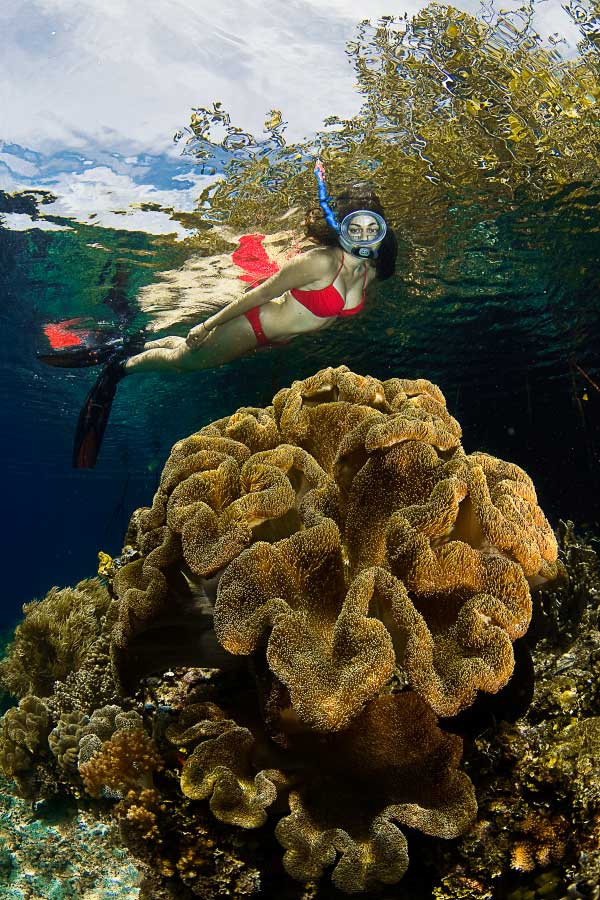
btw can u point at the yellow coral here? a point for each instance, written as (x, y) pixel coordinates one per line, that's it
(123, 763)
(338, 536)
(380, 479)
(221, 769)
(23, 735)
(396, 747)
(197, 722)
(296, 588)
(521, 857)
(139, 811)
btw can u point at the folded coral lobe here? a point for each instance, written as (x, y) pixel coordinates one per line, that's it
(320, 641)
(393, 767)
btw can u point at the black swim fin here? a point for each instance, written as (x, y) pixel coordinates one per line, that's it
(95, 412)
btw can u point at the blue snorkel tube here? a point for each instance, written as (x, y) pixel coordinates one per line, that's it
(365, 249)
(330, 216)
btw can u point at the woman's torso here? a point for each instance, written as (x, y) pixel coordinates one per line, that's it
(342, 294)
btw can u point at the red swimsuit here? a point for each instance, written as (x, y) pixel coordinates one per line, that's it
(325, 303)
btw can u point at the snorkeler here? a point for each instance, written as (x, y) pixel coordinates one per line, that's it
(308, 293)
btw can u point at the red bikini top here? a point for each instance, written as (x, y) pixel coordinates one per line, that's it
(328, 302)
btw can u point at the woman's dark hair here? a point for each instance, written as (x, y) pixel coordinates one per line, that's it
(359, 195)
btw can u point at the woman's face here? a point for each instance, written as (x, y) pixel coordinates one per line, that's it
(363, 228)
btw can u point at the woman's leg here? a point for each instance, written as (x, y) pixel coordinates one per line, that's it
(224, 344)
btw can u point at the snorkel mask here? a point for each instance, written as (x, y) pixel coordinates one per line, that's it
(362, 239)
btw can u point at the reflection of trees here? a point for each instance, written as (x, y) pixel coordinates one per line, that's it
(453, 106)
(480, 104)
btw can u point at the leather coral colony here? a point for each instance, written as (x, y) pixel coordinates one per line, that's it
(374, 575)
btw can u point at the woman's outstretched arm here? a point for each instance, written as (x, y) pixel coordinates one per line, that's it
(315, 265)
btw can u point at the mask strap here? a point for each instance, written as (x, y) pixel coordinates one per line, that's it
(330, 216)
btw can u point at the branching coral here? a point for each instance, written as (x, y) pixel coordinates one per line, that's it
(54, 638)
(123, 763)
(77, 737)
(104, 724)
(139, 810)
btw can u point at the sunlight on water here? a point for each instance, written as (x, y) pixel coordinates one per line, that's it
(450, 102)
(482, 143)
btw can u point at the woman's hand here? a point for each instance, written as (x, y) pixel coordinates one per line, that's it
(196, 336)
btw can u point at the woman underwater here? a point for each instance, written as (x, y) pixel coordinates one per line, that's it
(329, 281)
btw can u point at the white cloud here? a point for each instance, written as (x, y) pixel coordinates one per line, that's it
(17, 165)
(23, 222)
(126, 73)
(552, 19)
(100, 196)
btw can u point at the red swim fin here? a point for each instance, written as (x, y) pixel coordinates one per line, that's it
(252, 256)
(82, 355)
(61, 334)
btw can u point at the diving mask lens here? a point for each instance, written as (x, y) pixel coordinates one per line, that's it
(362, 231)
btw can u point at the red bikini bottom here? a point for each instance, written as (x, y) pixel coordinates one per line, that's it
(253, 316)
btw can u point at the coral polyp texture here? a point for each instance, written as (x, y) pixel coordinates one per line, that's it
(375, 575)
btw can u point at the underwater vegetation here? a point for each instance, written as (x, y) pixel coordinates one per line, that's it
(307, 668)
(57, 851)
(54, 639)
